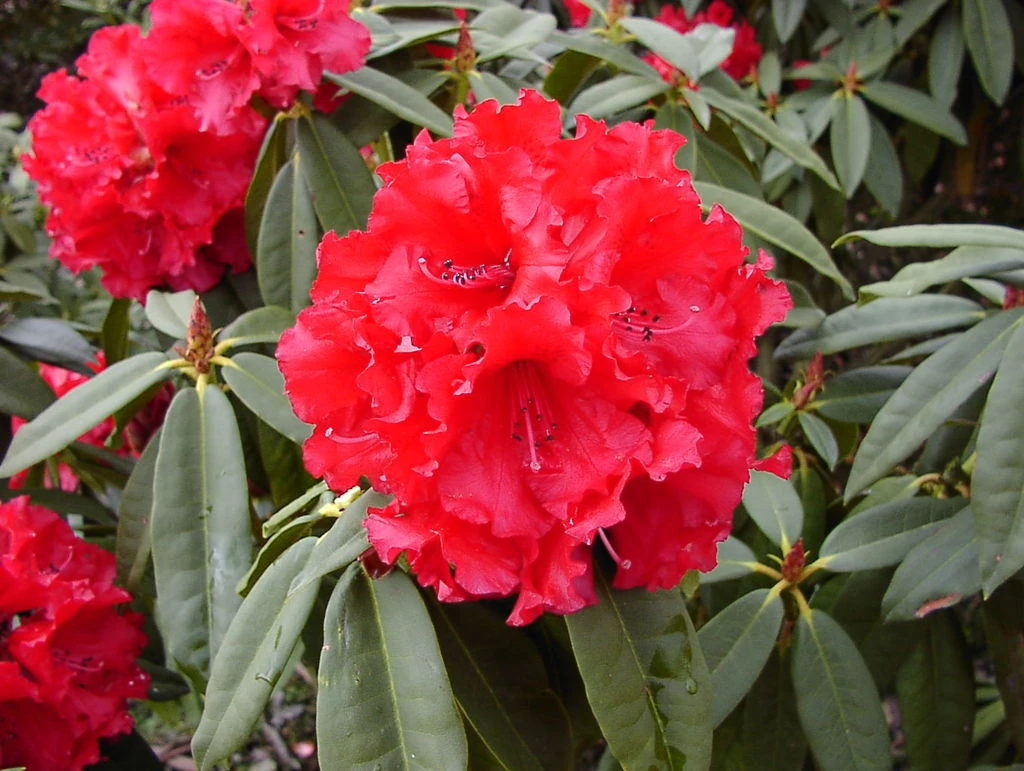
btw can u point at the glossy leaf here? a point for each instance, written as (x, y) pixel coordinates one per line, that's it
(170, 311)
(487, 85)
(258, 382)
(381, 667)
(774, 505)
(938, 572)
(646, 678)
(505, 30)
(199, 528)
(677, 49)
(881, 321)
(883, 535)
(786, 15)
(718, 166)
(114, 334)
(935, 686)
(260, 325)
(836, 699)
(133, 544)
(850, 139)
(53, 341)
(736, 643)
(857, 396)
(929, 395)
(820, 437)
(83, 408)
(288, 238)
(256, 651)
(775, 226)
(512, 709)
(946, 58)
(997, 485)
(615, 95)
(917, 107)
(960, 263)
(734, 560)
(591, 45)
(23, 392)
(272, 156)
(989, 38)
(396, 97)
(336, 174)
(772, 738)
(941, 236)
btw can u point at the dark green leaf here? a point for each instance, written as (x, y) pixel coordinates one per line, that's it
(946, 58)
(786, 15)
(616, 95)
(646, 678)
(929, 395)
(23, 392)
(960, 263)
(734, 561)
(935, 686)
(257, 381)
(133, 516)
(857, 396)
(281, 517)
(883, 535)
(381, 667)
(817, 432)
(775, 226)
(914, 15)
(585, 42)
(256, 651)
(774, 505)
(260, 325)
(772, 738)
(938, 572)
(881, 321)
(997, 485)
(989, 40)
(282, 458)
(273, 153)
(50, 340)
(336, 174)
(737, 643)
(63, 503)
(836, 699)
(883, 175)
(917, 107)
(718, 166)
(396, 97)
(850, 138)
(200, 527)
(1003, 619)
(774, 414)
(288, 238)
(282, 540)
(114, 336)
(83, 408)
(671, 116)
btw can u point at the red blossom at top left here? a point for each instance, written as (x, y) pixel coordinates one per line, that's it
(133, 185)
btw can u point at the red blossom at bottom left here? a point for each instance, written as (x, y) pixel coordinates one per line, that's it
(67, 654)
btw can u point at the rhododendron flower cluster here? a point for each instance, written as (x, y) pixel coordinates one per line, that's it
(135, 436)
(67, 656)
(144, 157)
(746, 51)
(538, 343)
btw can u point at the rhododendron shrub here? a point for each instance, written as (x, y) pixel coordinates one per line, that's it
(67, 654)
(746, 51)
(537, 344)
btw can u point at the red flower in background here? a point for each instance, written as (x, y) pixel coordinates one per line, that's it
(538, 343)
(746, 51)
(67, 656)
(136, 434)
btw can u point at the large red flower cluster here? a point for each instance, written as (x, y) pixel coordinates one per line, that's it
(145, 156)
(746, 51)
(538, 343)
(67, 656)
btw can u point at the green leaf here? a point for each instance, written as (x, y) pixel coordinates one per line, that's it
(257, 381)
(917, 107)
(288, 238)
(929, 395)
(646, 678)
(396, 97)
(736, 643)
(883, 535)
(133, 544)
(615, 95)
(775, 226)
(384, 698)
(671, 116)
(389, 37)
(960, 263)
(63, 503)
(282, 540)
(718, 166)
(83, 408)
(336, 174)
(487, 85)
(786, 15)
(256, 651)
(23, 392)
(857, 396)
(734, 560)
(836, 699)
(757, 122)
(774, 414)
(914, 15)
(272, 156)
(170, 311)
(281, 517)
(883, 175)
(114, 334)
(938, 572)
(505, 30)
(850, 139)
(774, 505)
(585, 42)
(695, 53)
(260, 325)
(771, 735)
(881, 321)
(511, 708)
(989, 39)
(997, 485)
(935, 686)
(821, 437)
(940, 236)
(200, 528)
(53, 341)
(946, 58)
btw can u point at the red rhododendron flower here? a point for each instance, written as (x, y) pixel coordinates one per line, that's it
(136, 434)
(133, 185)
(537, 344)
(67, 656)
(746, 51)
(579, 12)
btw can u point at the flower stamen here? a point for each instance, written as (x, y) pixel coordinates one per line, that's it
(531, 422)
(624, 564)
(480, 276)
(641, 325)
